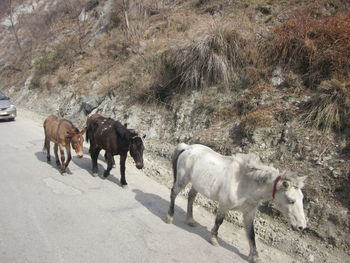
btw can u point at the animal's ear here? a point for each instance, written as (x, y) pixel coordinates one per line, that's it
(126, 125)
(285, 185)
(144, 136)
(83, 131)
(301, 181)
(70, 134)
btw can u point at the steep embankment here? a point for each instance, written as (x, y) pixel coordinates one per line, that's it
(263, 76)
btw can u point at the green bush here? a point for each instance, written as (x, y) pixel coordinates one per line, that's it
(50, 61)
(47, 63)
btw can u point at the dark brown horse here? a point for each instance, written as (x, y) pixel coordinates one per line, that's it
(63, 134)
(115, 139)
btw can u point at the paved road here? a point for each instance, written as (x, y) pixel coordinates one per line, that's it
(46, 217)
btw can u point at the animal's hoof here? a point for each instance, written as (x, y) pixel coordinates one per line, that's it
(63, 170)
(125, 186)
(94, 174)
(169, 219)
(105, 174)
(191, 222)
(214, 241)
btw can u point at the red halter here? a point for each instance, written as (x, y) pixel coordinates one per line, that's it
(275, 186)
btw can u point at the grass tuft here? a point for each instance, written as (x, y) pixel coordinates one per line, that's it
(260, 118)
(50, 61)
(214, 56)
(317, 48)
(329, 109)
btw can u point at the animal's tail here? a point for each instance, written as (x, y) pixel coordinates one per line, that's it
(180, 148)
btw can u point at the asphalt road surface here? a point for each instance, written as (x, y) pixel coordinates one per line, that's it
(47, 217)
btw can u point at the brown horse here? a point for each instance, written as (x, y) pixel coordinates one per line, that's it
(115, 139)
(63, 134)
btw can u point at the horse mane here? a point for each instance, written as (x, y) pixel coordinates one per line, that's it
(75, 129)
(255, 169)
(263, 173)
(124, 132)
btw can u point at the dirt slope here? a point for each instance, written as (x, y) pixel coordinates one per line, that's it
(143, 62)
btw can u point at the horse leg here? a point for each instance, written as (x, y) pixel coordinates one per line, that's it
(248, 220)
(63, 168)
(92, 146)
(191, 197)
(94, 152)
(122, 170)
(218, 221)
(47, 146)
(113, 162)
(69, 155)
(55, 148)
(109, 164)
(106, 159)
(180, 183)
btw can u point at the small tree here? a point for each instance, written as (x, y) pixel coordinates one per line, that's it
(14, 28)
(74, 8)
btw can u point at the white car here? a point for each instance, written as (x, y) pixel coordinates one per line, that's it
(7, 109)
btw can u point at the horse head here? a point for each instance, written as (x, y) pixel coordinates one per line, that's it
(77, 141)
(289, 198)
(134, 141)
(136, 148)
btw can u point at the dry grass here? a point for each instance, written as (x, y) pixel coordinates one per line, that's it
(253, 120)
(329, 109)
(318, 48)
(213, 56)
(49, 62)
(250, 99)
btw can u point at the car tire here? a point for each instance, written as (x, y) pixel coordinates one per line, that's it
(12, 119)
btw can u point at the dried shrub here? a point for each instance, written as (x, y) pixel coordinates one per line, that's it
(50, 61)
(47, 63)
(317, 48)
(181, 20)
(3, 8)
(329, 109)
(138, 13)
(251, 99)
(214, 56)
(253, 120)
(119, 48)
(71, 7)
(36, 24)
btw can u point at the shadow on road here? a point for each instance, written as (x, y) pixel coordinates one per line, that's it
(85, 164)
(41, 156)
(4, 120)
(159, 207)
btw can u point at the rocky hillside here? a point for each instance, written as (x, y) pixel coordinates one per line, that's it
(263, 76)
